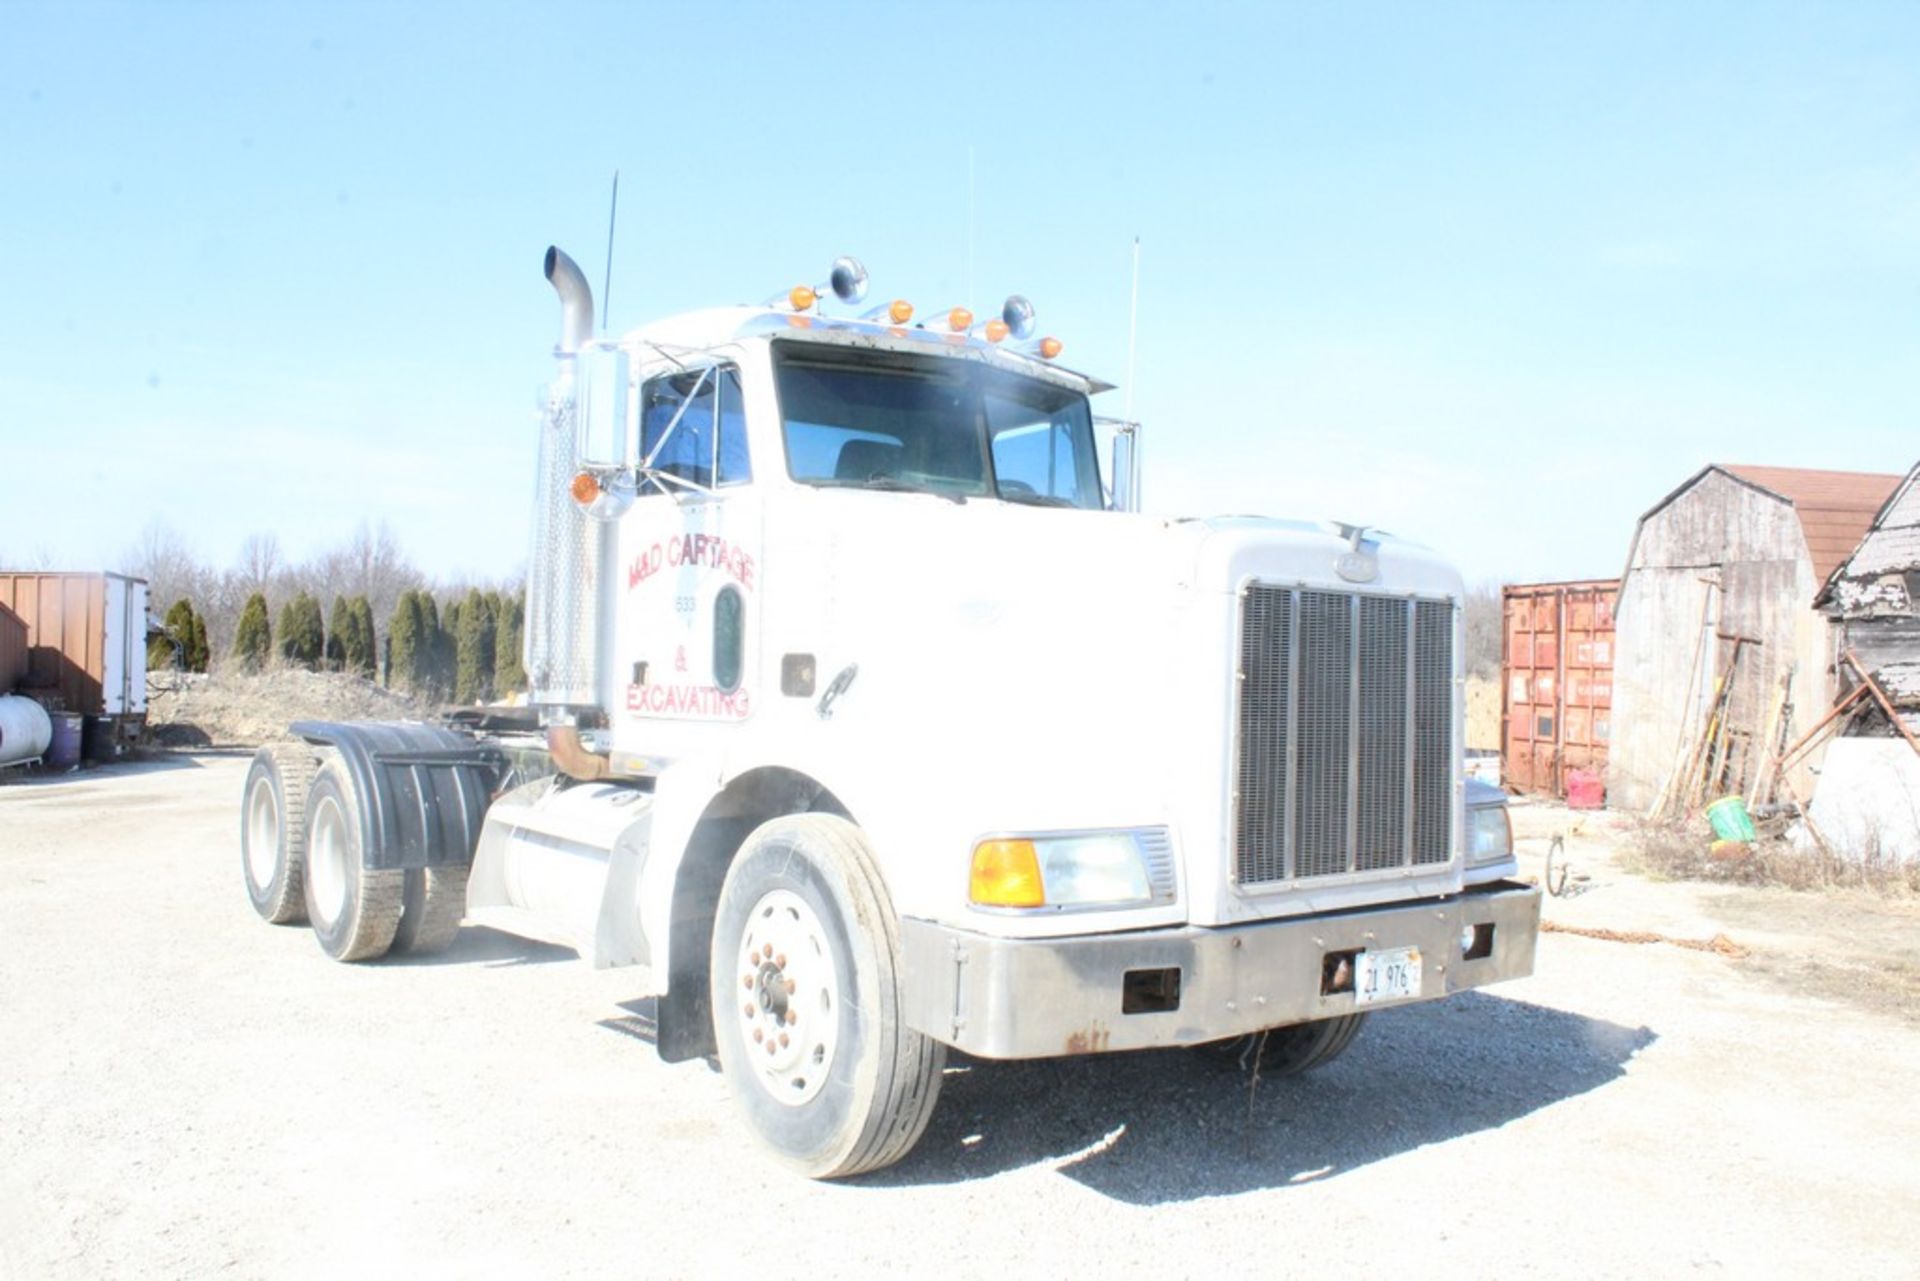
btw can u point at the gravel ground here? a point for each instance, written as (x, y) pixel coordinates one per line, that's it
(187, 1092)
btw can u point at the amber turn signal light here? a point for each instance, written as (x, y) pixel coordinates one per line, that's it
(959, 320)
(802, 298)
(1007, 874)
(996, 330)
(585, 488)
(900, 312)
(1049, 348)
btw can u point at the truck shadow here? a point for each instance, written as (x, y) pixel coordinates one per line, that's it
(1166, 1125)
(482, 945)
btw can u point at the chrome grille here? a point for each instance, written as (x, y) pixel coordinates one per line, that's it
(1345, 734)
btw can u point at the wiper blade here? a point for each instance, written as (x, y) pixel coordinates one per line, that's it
(1036, 500)
(890, 485)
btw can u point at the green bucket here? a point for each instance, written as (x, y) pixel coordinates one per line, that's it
(1730, 819)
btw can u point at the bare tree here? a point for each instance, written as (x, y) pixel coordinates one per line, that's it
(1481, 622)
(171, 569)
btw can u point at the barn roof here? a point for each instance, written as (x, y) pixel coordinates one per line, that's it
(1898, 534)
(1836, 508)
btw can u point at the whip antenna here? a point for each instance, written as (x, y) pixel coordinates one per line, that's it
(606, 285)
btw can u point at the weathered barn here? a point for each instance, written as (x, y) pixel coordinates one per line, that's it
(1719, 590)
(1873, 599)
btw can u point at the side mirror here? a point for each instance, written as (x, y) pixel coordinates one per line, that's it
(604, 378)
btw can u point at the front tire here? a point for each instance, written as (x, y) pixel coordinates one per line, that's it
(806, 987)
(1284, 1051)
(354, 909)
(273, 831)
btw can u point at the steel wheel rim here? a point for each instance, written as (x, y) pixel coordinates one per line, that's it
(263, 833)
(327, 861)
(789, 998)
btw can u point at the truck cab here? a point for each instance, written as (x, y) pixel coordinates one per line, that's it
(881, 725)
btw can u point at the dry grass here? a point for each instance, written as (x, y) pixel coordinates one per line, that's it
(236, 708)
(1483, 714)
(1677, 851)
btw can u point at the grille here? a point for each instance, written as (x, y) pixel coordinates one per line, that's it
(1345, 734)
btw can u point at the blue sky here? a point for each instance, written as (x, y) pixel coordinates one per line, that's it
(1496, 277)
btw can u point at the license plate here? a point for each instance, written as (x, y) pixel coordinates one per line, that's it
(1390, 975)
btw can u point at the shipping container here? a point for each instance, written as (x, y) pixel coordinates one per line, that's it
(86, 647)
(13, 650)
(1556, 697)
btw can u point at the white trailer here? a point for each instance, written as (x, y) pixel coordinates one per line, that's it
(874, 723)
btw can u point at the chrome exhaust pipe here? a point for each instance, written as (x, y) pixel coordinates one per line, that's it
(576, 299)
(562, 650)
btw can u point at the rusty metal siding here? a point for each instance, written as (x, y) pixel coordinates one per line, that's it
(1556, 703)
(13, 650)
(66, 623)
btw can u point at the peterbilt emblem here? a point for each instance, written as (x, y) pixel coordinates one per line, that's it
(1357, 564)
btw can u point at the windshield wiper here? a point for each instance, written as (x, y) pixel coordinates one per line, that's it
(890, 485)
(1035, 500)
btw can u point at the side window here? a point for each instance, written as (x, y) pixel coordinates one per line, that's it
(692, 425)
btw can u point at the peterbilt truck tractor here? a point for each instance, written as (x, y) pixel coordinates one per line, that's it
(868, 719)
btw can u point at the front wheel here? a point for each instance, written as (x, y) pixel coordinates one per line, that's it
(1283, 1051)
(807, 995)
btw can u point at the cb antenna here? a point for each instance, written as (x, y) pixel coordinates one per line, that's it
(606, 285)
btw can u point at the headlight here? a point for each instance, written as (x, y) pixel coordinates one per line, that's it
(1489, 834)
(1073, 870)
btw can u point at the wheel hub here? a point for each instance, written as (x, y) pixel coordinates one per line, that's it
(789, 1008)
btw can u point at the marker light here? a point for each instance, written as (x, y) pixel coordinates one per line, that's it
(1049, 348)
(959, 320)
(1007, 874)
(900, 312)
(802, 298)
(996, 330)
(585, 488)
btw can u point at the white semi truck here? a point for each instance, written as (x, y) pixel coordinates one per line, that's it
(872, 720)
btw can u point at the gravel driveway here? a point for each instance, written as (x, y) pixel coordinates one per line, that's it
(187, 1092)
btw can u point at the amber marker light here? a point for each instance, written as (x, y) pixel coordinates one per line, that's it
(900, 312)
(1049, 348)
(585, 488)
(959, 320)
(996, 330)
(802, 298)
(1007, 874)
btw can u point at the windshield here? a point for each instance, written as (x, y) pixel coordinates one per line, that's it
(962, 428)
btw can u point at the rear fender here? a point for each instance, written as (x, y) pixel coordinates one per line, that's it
(423, 789)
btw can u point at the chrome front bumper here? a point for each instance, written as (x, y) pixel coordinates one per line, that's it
(1004, 998)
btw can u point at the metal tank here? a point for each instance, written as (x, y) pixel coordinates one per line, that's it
(25, 729)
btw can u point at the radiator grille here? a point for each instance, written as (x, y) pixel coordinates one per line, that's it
(1345, 734)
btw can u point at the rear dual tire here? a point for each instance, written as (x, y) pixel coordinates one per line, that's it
(273, 831)
(355, 910)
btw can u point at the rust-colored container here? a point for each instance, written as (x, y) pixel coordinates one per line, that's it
(13, 650)
(86, 646)
(1556, 697)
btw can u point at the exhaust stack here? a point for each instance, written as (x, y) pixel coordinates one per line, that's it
(564, 566)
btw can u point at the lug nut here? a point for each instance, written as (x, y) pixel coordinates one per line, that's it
(750, 1010)
(758, 1035)
(783, 1040)
(792, 987)
(780, 961)
(772, 1049)
(747, 982)
(767, 951)
(793, 1016)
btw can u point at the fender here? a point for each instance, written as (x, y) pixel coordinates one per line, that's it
(424, 790)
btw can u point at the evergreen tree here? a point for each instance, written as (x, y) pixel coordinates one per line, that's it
(201, 655)
(303, 636)
(406, 640)
(509, 671)
(473, 650)
(339, 629)
(436, 674)
(253, 638)
(360, 641)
